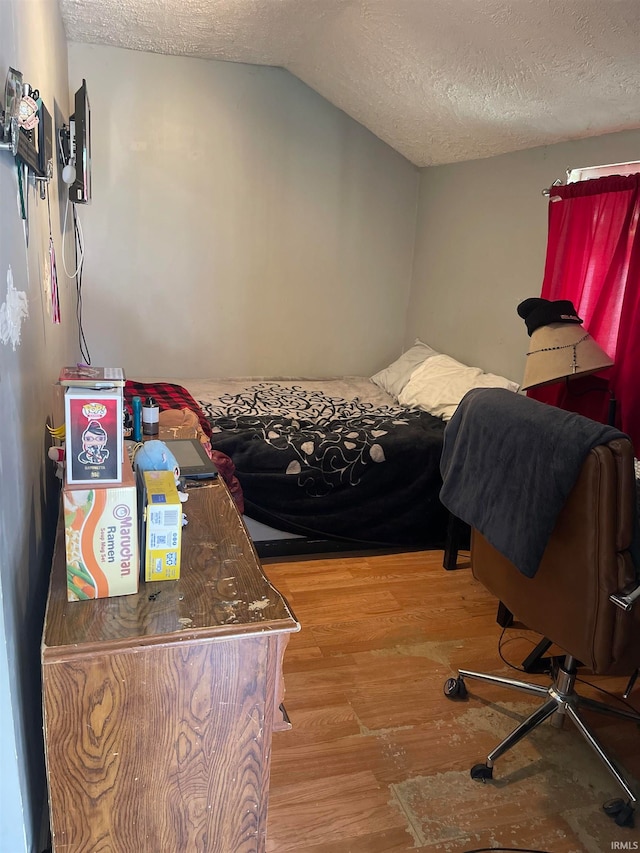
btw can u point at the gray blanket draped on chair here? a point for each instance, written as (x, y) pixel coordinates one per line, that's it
(508, 465)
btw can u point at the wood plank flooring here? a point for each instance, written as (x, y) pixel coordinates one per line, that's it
(378, 759)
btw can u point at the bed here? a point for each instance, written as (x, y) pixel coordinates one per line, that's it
(327, 464)
(335, 459)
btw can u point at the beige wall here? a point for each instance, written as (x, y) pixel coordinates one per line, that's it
(240, 225)
(480, 247)
(32, 40)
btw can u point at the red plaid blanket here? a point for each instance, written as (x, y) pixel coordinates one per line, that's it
(170, 396)
(167, 396)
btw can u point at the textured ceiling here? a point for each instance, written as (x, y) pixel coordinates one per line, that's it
(438, 80)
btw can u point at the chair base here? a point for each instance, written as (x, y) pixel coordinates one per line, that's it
(560, 701)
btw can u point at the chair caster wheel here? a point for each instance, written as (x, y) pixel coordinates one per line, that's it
(620, 811)
(455, 688)
(481, 772)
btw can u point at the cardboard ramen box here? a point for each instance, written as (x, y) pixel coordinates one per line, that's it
(101, 538)
(160, 525)
(94, 440)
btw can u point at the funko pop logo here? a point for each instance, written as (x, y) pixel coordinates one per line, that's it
(94, 411)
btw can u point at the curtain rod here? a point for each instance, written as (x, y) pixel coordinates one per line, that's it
(632, 163)
(629, 168)
(547, 190)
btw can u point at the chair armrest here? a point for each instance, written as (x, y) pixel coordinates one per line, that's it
(625, 600)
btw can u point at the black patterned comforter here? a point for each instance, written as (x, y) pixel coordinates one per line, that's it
(318, 464)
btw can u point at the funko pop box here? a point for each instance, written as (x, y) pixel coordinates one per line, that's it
(94, 435)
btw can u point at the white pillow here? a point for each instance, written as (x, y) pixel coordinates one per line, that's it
(393, 378)
(438, 384)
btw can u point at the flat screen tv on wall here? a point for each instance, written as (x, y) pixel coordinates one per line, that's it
(80, 143)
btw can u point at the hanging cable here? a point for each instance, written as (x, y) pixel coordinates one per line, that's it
(55, 295)
(503, 642)
(79, 237)
(79, 254)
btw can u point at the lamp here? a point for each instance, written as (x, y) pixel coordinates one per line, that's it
(562, 351)
(560, 346)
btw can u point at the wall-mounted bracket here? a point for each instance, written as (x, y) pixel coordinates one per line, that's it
(26, 129)
(64, 145)
(43, 180)
(19, 120)
(9, 111)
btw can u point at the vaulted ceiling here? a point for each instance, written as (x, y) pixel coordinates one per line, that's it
(440, 81)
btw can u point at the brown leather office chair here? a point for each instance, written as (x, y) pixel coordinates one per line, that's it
(581, 598)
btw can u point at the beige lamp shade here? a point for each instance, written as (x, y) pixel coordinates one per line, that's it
(562, 351)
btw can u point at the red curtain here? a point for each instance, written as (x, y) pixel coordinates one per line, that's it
(593, 259)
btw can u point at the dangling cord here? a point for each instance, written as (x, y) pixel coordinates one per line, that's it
(84, 348)
(23, 208)
(80, 256)
(55, 296)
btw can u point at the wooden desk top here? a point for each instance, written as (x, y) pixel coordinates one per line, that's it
(222, 592)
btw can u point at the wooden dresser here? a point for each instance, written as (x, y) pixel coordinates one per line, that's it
(159, 707)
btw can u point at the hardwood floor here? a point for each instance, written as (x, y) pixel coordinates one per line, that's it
(378, 759)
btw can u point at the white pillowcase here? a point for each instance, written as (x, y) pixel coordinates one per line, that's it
(393, 378)
(438, 384)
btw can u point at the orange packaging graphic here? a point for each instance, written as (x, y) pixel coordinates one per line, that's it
(101, 538)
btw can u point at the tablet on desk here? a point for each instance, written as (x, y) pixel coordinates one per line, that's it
(192, 458)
